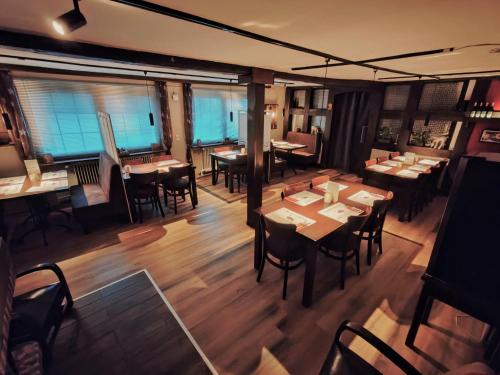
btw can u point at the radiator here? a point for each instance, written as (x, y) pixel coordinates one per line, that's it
(87, 172)
(201, 159)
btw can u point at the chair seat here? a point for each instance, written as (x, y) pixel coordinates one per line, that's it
(223, 166)
(346, 362)
(278, 162)
(39, 305)
(302, 153)
(94, 194)
(176, 184)
(28, 358)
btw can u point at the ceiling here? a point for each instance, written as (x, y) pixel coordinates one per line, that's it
(351, 29)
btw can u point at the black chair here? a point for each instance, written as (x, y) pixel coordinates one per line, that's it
(239, 170)
(177, 184)
(145, 190)
(343, 361)
(36, 316)
(220, 166)
(374, 226)
(281, 242)
(431, 188)
(276, 164)
(344, 243)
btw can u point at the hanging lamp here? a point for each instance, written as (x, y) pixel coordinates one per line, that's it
(231, 115)
(323, 118)
(151, 118)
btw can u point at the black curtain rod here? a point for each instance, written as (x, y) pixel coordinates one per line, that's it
(385, 58)
(156, 8)
(446, 74)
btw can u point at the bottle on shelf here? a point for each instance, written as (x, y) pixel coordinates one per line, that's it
(489, 114)
(484, 110)
(478, 110)
(473, 112)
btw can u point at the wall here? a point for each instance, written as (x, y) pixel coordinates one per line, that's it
(474, 145)
(177, 117)
(276, 95)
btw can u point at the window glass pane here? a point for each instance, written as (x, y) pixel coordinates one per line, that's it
(319, 98)
(433, 135)
(388, 130)
(297, 122)
(211, 113)
(440, 96)
(299, 98)
(319, 122)
(396, 97)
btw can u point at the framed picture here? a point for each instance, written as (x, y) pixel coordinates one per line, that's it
(490, 136)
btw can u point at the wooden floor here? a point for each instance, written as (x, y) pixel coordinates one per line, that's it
(202, 260)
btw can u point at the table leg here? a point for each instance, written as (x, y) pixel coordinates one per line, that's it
(310, 273)
(257, 256)
(212, 162)
(193, 185)
(231, 179)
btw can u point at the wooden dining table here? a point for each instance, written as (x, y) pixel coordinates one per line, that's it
(315, 233)
(287, 146)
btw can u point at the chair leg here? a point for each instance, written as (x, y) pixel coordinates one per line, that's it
(285, 282)
(427, 310)
(261, 268)
(158, 204)
(140, 211)
(175, 202)
(380, 242)
(226, 180)
(191, 197)
(369, 251)
(238, 177)
(165, 197)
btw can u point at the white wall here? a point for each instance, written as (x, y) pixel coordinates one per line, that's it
(276, 95)
(177, 118)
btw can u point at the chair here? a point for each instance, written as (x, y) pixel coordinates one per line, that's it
(29, 323)
(144, 189)
(220, 166)
(133, 162)
(176, 184)
(239, 170)
(341, 360)
(393, 155)
(292, 189)
(319, 180)
(281, 241)
(344, 243)
(276, 164)
(431, 188)
(374, 226)
(370, 162)
(158, 158)
(381, 159)
(410, 193)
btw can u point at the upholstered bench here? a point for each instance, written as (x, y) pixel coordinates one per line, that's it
(107, 197)
(306, 156)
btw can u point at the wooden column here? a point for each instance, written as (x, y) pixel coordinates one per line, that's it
(255, 149)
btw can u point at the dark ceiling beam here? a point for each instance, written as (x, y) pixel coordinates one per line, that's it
(451, 74)
(340, 83)
(385, 58)
(170, 12)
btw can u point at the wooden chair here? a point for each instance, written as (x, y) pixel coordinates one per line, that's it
(30, 322)
(431, 188)
(381, 159)
(292, 189)
(319, 180)
(370, 162)
(133, 162)
(344, 243)
(282, 247)
(375, 224)
(220, 166)
(238, 170)
(393, 155)
(158, 158)
(177, 184)
(276, 164)
(145, 190)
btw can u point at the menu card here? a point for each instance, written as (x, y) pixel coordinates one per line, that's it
(419, 168)
(53, 175)
(379, 168)
(304, 198)
(324, 186)
(429, 162)
(10, 189)
(167, 162)
(407, 173)
(399, 158)
(284, 215)
(340, 212)
(365, 197)
(391, 163)
(12, 180)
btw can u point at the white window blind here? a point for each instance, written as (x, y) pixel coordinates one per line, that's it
(62, 115)
(211, 113)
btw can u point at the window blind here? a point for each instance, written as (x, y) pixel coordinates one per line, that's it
(62, 115)
(211, 113)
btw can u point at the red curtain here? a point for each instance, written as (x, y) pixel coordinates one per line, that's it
(187, 94)
(9, 104)
(166, 120)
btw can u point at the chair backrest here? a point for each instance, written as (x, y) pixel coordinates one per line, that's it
(141, 180)
(381, 159)
(223, 148)
(319, 180)
(370, 162)
(133, 162)
(7, 281)
(379, 211)
(179, 171)
(281, 240)
(394, 154)
(292, 189)
(272, 154)
(346, 237)
(310, 140)
(157, 158)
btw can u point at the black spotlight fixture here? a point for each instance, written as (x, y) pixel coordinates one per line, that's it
(69, 21)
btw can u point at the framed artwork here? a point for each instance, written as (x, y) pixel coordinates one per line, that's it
(490, 136)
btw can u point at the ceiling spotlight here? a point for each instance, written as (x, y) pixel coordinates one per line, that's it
(69, 21)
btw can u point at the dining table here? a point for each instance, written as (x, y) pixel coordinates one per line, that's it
(316, 220)
(287, 146)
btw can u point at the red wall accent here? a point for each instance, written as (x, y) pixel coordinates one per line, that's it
(474, 146)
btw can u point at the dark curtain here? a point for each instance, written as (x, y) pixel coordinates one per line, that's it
(166, 120)
(350, 113)
(9, 104)
(187, 94)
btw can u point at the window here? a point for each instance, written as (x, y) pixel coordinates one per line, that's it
(211, 113)
(62, 115)
(388, 131)
(434, 134)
